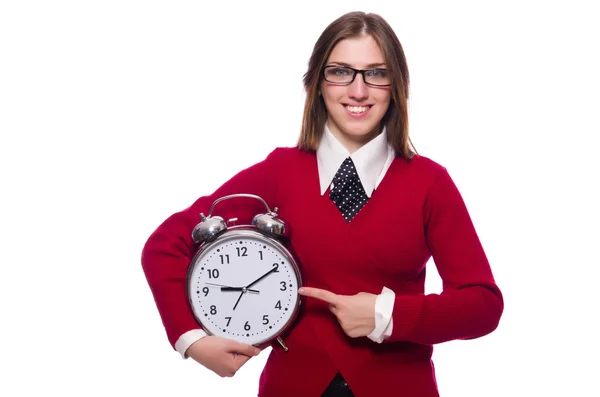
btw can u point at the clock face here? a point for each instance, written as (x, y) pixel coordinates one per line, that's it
(244, 286)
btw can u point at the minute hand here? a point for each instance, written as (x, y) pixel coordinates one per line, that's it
(261, 277)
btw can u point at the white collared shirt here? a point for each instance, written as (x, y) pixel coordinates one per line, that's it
(372, 162)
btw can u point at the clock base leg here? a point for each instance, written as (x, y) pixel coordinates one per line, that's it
(285, 348)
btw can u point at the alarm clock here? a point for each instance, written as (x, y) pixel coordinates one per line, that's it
(242, 283)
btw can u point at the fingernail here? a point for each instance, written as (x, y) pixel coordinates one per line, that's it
(301, 290)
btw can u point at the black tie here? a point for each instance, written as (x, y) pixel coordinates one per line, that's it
(348, 192)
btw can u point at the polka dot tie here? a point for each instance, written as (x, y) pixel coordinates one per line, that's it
(347, 192)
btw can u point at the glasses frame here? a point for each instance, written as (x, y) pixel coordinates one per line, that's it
(356, 72)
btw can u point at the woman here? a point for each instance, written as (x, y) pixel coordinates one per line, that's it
(367, 328)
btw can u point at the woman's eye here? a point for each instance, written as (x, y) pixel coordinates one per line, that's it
(377, 72)
(340, 71)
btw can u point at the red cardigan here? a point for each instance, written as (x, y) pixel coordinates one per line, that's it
(415, 213)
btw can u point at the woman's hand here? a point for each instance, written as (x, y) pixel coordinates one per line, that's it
(355, 313)
(222, 356)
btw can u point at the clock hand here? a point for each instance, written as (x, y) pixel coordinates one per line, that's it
(238, 300)
(274, 269)
(228, 288)
(219, 285)
(239, 289)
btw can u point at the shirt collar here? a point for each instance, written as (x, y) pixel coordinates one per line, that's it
(369, 160)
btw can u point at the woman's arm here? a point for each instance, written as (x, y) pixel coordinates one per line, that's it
(471, 303)
(169, 250)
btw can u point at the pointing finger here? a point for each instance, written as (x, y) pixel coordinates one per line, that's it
(318, 293)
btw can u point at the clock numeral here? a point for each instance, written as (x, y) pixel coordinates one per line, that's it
(247, 326)
(205, 290)
(276, 266)
(278, 305)
(265, 319)
(261, 255)
(213, 273)
(242, 251)
(224, 259)
(228, 321)
(283, 286)
(213, 310)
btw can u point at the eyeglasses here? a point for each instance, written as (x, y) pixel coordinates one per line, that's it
(344, 75)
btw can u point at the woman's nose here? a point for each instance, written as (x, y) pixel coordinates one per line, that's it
(358, 89)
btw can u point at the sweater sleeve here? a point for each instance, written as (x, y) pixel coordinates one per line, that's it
(471, 304)
(170, 248)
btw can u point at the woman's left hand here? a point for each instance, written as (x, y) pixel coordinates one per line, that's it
(355, 313)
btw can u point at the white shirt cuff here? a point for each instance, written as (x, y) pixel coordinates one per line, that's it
(187, 339)
(384, 305)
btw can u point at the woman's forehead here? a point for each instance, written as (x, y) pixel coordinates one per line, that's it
(358, 52)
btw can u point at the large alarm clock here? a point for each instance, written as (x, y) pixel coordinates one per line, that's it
(242, 284)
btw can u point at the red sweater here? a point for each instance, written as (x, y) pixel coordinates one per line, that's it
(415, 214)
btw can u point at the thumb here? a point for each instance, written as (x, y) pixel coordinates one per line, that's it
(241, 359)
(243, 348)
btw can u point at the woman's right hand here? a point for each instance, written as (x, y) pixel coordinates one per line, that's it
(222, 356)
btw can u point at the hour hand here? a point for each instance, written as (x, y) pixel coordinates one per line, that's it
(239, 289)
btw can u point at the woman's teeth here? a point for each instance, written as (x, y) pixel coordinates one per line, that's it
(357, 109)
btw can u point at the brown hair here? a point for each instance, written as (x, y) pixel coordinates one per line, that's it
(396, 118)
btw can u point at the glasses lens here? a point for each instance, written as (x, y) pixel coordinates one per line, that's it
(377, 77)
(338, 74)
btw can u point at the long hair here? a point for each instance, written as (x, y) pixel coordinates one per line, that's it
(351, 25)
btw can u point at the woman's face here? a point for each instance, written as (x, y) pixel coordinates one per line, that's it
(355, 110)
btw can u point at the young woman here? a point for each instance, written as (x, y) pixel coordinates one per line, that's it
(367, 328)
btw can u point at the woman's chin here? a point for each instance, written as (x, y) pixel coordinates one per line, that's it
(360, 134)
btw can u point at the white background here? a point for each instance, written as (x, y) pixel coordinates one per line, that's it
(115, 114)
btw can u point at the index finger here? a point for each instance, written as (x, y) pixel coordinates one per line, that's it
(322, 294)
